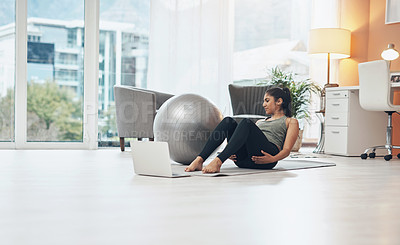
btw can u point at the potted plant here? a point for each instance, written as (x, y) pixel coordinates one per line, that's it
(301, 91)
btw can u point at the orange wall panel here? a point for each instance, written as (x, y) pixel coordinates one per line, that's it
(380, 35)
(354, 17)
(370, 36)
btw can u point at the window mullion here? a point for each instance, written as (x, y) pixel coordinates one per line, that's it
(91, 66)
(20, 73)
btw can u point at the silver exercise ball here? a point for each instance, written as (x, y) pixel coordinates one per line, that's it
(185, 122)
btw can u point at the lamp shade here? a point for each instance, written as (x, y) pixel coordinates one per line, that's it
(390, 53)
(335, 41)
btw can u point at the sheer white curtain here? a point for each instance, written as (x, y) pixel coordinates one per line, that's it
(190, 48)
(325, 14)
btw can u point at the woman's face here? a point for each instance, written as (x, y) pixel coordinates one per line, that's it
(270, 105)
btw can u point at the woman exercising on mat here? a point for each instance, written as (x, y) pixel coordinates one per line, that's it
(253, 145)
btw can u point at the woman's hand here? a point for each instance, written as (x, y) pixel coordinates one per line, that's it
(233, 158)
(267, 158)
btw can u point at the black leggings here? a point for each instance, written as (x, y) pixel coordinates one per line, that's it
(244, 140)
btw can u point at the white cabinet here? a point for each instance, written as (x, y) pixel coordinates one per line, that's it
(349, 129)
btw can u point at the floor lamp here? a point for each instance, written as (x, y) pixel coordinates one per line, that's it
(329, 43)
(390, 53)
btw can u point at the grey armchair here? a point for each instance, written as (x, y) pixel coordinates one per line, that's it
(136, 109)
(247, 101)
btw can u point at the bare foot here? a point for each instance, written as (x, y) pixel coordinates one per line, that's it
(196, 165)
(213, 167)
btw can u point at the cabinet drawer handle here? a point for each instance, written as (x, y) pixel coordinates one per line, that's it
(336, 93)
(336, 104)
(335, 132)
(335, 118)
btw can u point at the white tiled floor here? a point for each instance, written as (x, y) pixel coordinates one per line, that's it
(93, 197)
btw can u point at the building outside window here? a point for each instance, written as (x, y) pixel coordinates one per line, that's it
(7, 72)
(123, 57)
(55, 55)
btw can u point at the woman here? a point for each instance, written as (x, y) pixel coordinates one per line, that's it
(250, 145)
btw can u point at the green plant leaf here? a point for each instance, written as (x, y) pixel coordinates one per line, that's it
(300, 90)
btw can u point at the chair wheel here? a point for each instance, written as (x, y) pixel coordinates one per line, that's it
(398, 155)
(388, 157)
(372, 155)
(364, 156)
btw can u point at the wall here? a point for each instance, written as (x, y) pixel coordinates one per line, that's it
(354, 17)
(370, 35)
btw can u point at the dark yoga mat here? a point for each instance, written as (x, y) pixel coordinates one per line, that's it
(230, 169)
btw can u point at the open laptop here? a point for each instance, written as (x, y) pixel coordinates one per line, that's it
(152, 158)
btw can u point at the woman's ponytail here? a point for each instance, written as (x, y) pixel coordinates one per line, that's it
(287, 105)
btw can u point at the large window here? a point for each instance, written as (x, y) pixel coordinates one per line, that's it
(270, 33)
(7, 70)
(123, 55)
(55, 70)
(55, 46)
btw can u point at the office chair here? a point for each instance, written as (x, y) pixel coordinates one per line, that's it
(375, 95)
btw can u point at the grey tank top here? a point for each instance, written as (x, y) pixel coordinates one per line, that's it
(274, 130)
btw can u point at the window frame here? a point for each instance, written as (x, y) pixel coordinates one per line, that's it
(90, 115)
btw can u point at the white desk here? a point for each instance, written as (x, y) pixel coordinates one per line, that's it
(394, 85)
(349, 129)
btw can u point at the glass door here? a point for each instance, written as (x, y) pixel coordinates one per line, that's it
(56, 57)
(55, 60)
(7, 72)
(123, 57)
